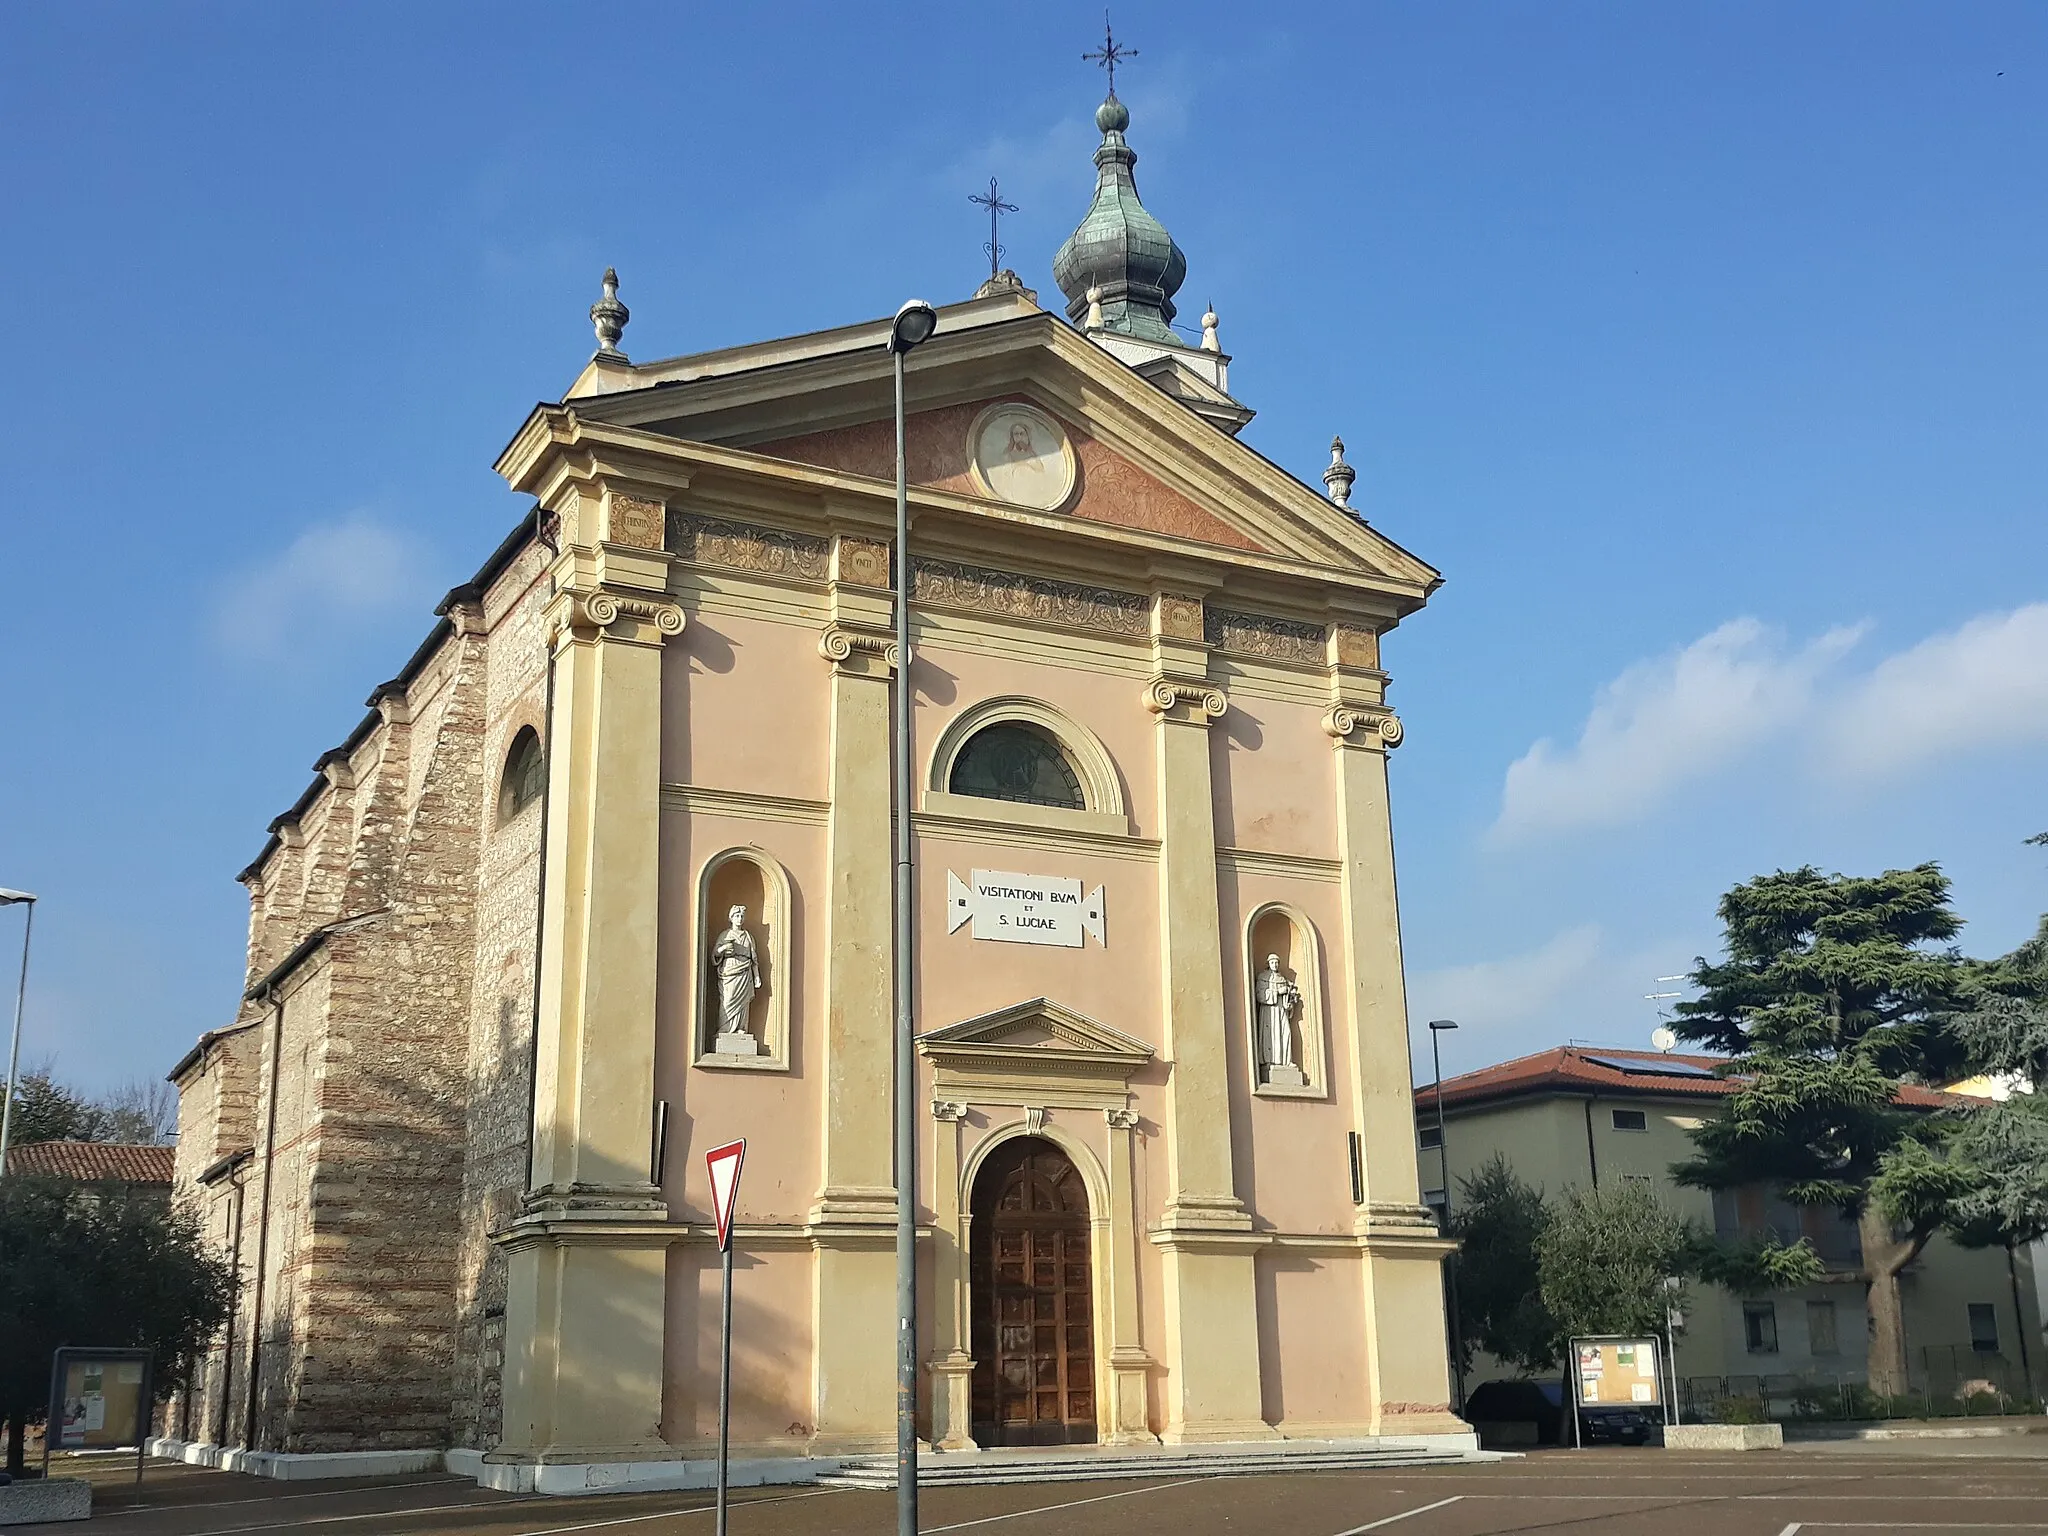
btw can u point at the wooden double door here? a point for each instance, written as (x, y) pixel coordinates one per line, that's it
(1031, 1289)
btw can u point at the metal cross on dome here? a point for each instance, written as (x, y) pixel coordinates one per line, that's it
(996, 208)
(1110, 53)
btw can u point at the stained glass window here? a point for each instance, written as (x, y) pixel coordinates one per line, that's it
(1015, 762)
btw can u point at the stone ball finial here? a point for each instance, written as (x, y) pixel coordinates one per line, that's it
(1112, 116)
(1094, 321)
(1339, 477)
(1211, 342)
(608, 316)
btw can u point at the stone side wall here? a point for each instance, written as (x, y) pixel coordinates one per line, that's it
(376, 1266)
(501, 1005)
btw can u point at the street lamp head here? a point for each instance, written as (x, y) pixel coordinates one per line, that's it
(914, 324)
(9, 898)
(1443, 1023)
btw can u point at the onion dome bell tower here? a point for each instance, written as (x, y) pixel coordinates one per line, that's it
(1120, 271)
(1120, 250)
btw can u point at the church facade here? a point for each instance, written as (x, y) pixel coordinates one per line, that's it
(603, 880)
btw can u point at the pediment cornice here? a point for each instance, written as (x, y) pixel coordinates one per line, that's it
(1038, 1038)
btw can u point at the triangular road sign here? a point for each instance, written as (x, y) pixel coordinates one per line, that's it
(724, 1163)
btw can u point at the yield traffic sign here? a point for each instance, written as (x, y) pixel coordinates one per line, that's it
(724, 1163)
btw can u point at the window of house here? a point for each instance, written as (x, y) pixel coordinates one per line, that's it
(1820, 1328)
(1631, 1120)
(1760, 1327)
(526, 774)
(1429, 1137)
(1016, 762)
(1984, 1327)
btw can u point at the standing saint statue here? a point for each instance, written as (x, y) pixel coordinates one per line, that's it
(1277, 997)
(735, 977)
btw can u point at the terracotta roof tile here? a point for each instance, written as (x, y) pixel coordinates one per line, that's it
(1578, 1070)
(94, 1160)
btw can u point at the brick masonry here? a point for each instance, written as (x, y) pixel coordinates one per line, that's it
(377, 1086)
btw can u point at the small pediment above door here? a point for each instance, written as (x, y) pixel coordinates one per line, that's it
(1033, 1052)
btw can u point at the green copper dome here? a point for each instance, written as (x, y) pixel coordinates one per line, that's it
(1120, 249)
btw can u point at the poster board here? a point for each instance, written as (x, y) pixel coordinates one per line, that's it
(1616, 1373)
(99, 1399)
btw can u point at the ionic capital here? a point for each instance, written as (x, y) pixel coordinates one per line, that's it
(865, 651)
(1358, 726)
(618, 616)
(948, 1110)
(1186, 699)
(1121, 1119)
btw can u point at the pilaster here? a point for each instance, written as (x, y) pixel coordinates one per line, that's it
(1211, 1301)
(1408, 1367)
(853, 1218)
(1130, 1367)
(585, 1271)
(952, 1363)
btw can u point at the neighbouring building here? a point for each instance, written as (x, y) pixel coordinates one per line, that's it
(146, 1169)
(1585, 1115)
(603, 879)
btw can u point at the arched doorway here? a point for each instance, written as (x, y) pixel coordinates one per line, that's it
(1031, 1288)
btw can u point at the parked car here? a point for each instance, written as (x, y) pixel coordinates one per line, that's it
(1510, 1413)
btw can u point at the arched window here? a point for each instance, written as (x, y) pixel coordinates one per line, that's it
(1008, 761)
(526, 774)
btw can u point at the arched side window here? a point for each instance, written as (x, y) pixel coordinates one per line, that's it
(1012, 759)
(1283, 995)
(526, 774)
(1016, 762)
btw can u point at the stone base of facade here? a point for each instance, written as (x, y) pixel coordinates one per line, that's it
(524, 1475)
(300, 1466)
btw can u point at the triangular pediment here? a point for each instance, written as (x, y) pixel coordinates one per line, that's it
(1038, 1035)
(1153, 459)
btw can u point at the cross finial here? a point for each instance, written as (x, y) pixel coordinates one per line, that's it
(1110, 53)
(996, 209)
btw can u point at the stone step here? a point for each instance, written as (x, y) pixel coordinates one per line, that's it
(1056, 1467)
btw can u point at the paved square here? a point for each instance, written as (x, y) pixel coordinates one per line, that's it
(1966, 1487)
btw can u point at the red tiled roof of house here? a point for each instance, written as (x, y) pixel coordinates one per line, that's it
(94, 1160)
(1574, 1069)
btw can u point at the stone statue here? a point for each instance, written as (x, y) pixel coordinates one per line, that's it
(1277, 997)
(735, 978)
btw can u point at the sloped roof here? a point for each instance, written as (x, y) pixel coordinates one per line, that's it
(94, 1160)
(1578, 1070)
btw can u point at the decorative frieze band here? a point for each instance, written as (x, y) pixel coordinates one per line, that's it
(1067, 604)
(1258, 634)
(744, 547)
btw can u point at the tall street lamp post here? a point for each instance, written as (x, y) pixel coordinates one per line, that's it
(914, 324)
(8, 899)
(1443, 1170)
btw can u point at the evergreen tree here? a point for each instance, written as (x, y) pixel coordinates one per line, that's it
(1604, 1257)
(97, 1265)
(1498, 1223)
(1835, 991)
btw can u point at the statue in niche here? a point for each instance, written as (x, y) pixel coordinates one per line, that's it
(1278, 998)
(735, 978)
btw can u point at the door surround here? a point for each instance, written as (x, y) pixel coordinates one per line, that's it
(1038, 1069)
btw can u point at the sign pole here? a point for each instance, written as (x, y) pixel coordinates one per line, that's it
(724, 1164)
(724, 1381)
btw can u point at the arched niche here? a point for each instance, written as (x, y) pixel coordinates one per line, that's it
(1094, 769)
(1282, 931)
(749, 878)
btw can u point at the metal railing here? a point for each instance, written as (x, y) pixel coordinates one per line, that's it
(1944, 1382)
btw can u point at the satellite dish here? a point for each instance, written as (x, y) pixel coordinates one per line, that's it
(1663, 1038)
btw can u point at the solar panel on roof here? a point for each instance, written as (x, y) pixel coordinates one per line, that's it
(1651, 1066)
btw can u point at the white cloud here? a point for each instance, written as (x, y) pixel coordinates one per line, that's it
(352, 569)
(1984, 684)
(1509, 991)
(1665, 722)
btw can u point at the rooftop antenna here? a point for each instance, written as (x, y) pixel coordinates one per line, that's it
(1663, 1037)
(1110, 54)
(996, 209)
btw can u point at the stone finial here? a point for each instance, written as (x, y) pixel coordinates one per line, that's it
(1339, 476)
(609, 316)
(1211, 342)
(1094, 320)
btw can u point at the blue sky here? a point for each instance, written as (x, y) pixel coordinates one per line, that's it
(1704, 347)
